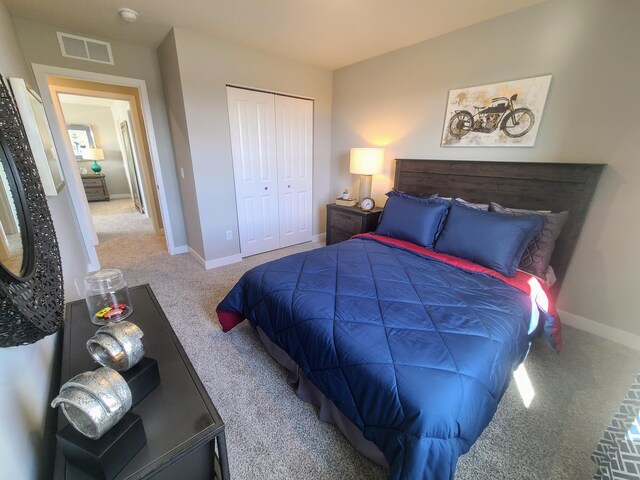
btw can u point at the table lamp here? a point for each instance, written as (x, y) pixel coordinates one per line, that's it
(366, 162)
(94, 154)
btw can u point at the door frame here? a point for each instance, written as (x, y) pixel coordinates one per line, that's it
(71, 171)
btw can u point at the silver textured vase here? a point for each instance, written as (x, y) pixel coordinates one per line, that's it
(93, 402)
(117, 345)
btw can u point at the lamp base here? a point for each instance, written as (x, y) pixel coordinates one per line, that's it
(365, 186)
(95, 167)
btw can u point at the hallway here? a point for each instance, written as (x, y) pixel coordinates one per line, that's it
(126, 236)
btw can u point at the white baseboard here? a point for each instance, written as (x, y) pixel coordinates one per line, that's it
(610, 333)
(216, 262)
(221, 262)
(116, 196)
(320, 238)
(179, 250)
(197, 257)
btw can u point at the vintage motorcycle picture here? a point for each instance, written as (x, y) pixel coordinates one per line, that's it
(501, 114)
(514, 122)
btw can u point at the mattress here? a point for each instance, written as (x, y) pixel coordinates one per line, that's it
(414, 348)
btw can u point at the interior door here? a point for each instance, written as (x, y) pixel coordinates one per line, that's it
(253, 145)
(294, 145)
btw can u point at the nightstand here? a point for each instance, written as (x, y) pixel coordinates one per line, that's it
(95, 186)
(345, 222)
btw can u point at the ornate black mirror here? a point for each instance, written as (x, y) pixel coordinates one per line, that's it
(31, 288)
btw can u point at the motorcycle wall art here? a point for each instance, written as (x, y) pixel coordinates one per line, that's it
(500, 114)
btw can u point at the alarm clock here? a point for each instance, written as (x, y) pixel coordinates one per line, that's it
(367, 204)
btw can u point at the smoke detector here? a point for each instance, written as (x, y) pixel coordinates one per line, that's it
(128, 14)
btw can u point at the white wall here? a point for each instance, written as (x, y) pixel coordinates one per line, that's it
(101, 120)
(205, 66)
(591, 48)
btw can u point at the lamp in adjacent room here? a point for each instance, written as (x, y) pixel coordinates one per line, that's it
(366, 162)
(95, 154)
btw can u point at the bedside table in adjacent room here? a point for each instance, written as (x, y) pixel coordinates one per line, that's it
(95, 186)
(345, 222)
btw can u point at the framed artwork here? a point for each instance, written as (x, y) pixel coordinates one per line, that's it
(39, 136)
(81, 137)
(505, 114)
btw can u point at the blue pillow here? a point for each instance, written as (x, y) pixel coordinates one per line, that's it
(415, 219)
(490, 239)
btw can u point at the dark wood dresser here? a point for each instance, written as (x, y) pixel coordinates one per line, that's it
(345, 222)
(185, 434)
(95, 186)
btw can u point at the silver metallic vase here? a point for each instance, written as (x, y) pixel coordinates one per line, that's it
(93, 402)
(117, 345)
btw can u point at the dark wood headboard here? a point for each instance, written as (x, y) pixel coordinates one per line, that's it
(536, 186)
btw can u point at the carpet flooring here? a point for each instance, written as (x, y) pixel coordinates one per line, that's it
(271, 434)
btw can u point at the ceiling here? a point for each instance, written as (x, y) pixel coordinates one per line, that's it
(326, 33)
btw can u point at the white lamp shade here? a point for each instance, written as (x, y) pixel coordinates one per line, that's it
(93, 154)
(366, 161)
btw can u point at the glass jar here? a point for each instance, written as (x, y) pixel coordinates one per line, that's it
(107, 296)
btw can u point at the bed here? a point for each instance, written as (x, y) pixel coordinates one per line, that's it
(405, 346)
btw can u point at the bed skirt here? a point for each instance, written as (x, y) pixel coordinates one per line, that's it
(309, 393)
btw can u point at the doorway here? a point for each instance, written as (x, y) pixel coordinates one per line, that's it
(105, 147)
(53, 81)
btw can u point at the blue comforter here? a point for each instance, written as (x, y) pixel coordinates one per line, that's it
(415, 352)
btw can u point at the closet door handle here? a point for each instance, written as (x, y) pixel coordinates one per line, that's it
(288, 186)
(266, 188)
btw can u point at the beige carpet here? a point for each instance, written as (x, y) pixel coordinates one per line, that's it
(126, 236)
(271, 434)
(113, 207)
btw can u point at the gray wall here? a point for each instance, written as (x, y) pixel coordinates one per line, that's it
(25, 371)
(102, 123)
(170, 71)
(40, 45)
(591, 49)
(205, 66)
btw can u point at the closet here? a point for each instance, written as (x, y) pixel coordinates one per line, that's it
(272, 147)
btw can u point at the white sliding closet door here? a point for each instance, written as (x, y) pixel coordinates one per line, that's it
(294, 147)
(272, 146)
(253, 143)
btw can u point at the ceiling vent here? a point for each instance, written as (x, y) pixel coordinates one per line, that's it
(84, 48)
